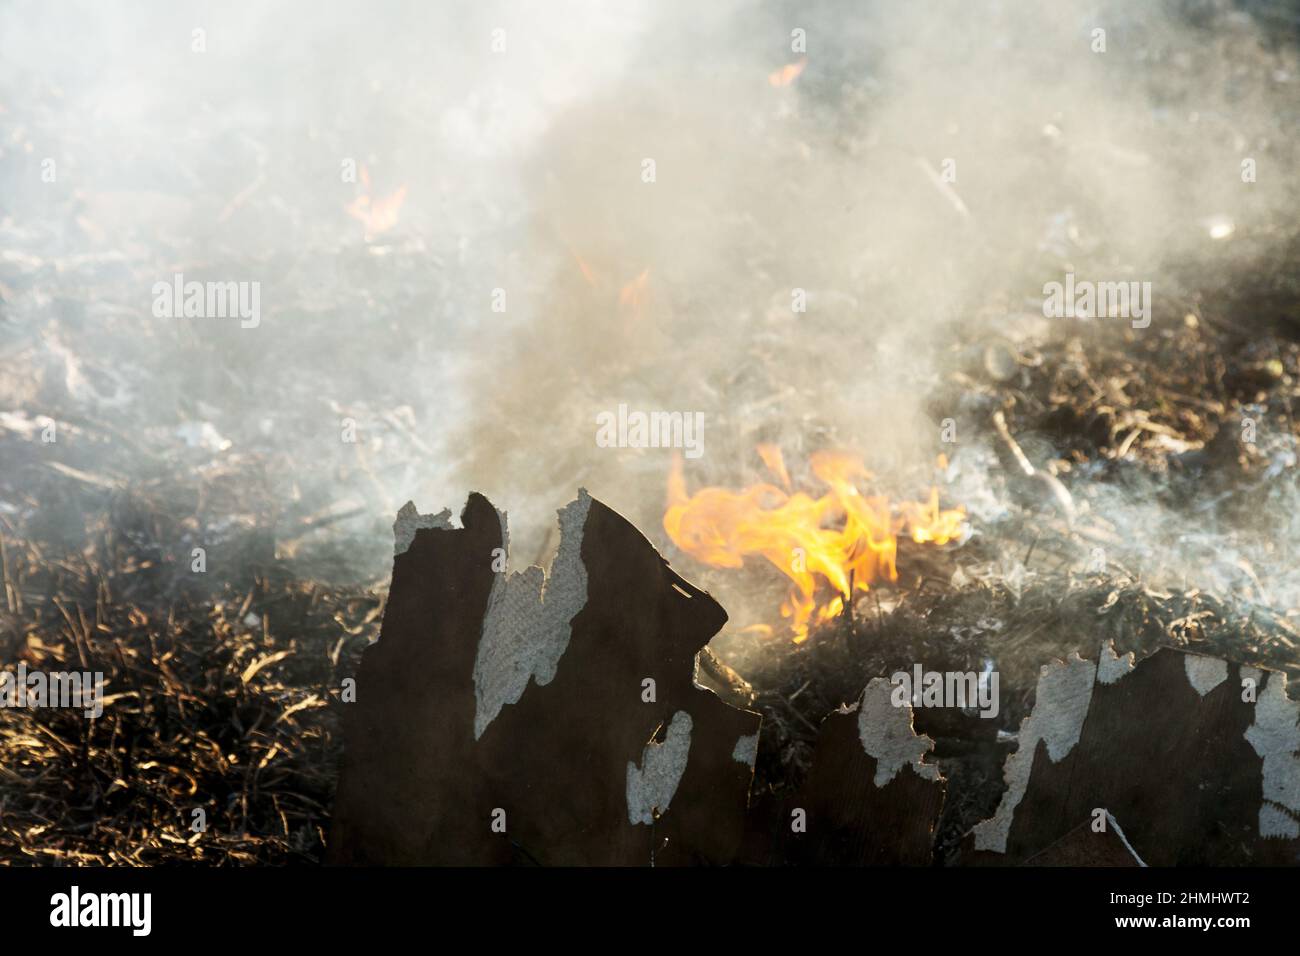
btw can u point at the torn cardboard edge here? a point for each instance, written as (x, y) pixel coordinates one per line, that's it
(869, 782)
(887, 734)
(528, 622)
(571, 703)
(529, 618)
(1066, 705)
(870, 797)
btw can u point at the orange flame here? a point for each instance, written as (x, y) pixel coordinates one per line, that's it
(787, 74)
(586, 270)
(377, 215)
(634, 293)
(845, 538)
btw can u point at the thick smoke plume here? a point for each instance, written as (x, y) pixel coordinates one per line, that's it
(929, 168)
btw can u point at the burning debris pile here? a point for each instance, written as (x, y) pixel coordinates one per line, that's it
(1073, 436)
(222, 689)
(575, 717)
(937, 469)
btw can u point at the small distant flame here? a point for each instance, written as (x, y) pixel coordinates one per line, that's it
(377, 215)
(788, 73)
(842, 538)
(775, 462)
(586, 270)
(633, 294)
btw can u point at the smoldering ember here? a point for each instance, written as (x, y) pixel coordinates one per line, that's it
(942, 365)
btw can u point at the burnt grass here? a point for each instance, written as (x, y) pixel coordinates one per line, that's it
(220, 697)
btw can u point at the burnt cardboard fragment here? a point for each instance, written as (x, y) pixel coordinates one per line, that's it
(869, 798)
(1175, 747)
(520, 699)
(1086, 845)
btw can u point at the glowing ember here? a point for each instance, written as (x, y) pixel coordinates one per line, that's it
(377, 215)
(843, 538)
(787, 74)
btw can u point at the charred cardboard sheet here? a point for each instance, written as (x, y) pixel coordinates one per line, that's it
(869, 798)
(535, 719)
(1087, 845)
(1188, 759)
(510, 718)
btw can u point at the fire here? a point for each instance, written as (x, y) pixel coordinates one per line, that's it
(785, 75)
(843, 538)
(633, 294)
(586, 270)
(377, 215)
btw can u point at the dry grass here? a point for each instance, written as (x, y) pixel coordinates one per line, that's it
(217, 697)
